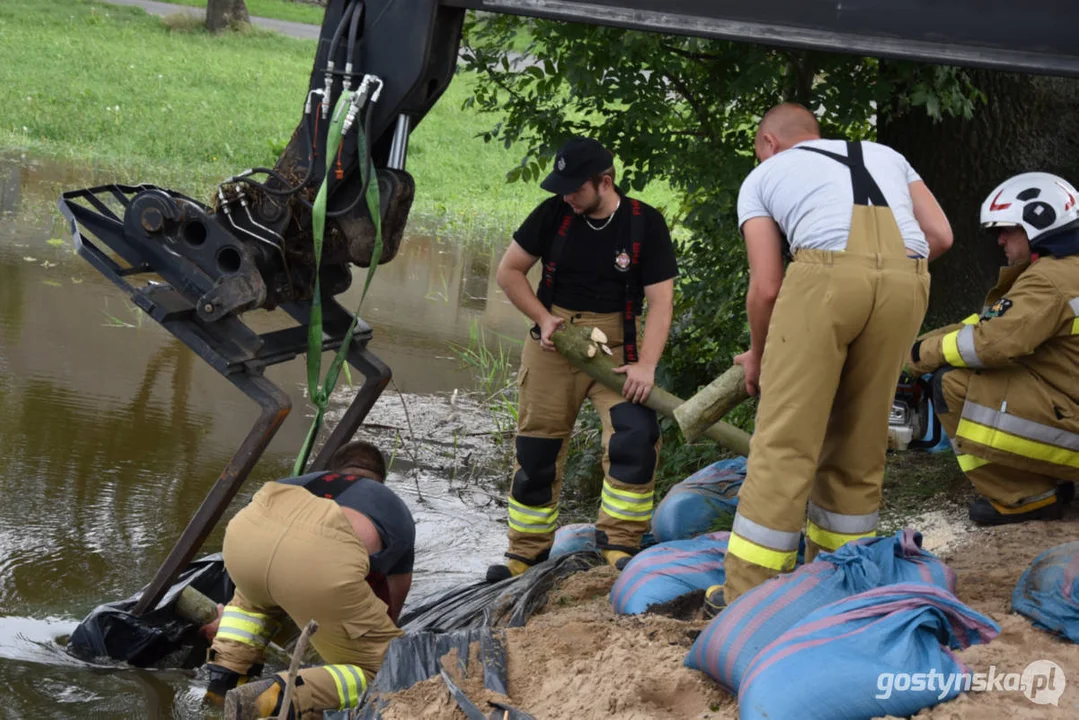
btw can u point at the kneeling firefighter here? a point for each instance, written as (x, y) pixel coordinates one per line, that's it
(603, 254)
(336, 547)
(1005, 380)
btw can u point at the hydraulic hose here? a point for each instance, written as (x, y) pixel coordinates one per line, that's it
(352, 36)
(345, 17)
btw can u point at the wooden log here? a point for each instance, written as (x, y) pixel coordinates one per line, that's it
(574, 341)
(711, 403)
(200, 610)
(195, 607)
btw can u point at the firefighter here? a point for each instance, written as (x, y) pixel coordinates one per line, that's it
(604, 256)
(319, 546)
(828, 337)
(1005, 381)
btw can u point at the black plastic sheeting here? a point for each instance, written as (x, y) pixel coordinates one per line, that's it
(415, 657)
(157, 639)
(504, 604)
(453, 619)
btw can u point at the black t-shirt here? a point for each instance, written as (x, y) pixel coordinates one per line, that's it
(390, 515)
(591, 272)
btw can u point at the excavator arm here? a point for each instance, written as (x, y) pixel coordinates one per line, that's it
(197, 268)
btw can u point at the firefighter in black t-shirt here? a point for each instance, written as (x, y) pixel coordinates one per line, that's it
(604, 255)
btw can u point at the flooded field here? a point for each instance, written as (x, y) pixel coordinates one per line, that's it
(111, 433)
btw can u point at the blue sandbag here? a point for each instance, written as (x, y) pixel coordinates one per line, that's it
(1048, 591)
(757, 618)
(884, 652)
(580, 537)
(692, 507)
(669, 570)
(574, 538)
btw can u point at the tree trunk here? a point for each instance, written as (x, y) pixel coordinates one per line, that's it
(1028, 123)
(220, 14)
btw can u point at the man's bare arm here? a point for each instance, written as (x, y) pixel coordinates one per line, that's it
(764, 245)
(512, 278)
(932, 220)
(399, 586)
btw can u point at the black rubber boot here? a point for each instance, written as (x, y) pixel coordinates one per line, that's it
(982, 512)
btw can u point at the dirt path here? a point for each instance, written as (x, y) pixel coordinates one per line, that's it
(577, 659)
(285, 27)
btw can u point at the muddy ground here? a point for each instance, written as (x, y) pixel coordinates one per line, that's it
(577, 659)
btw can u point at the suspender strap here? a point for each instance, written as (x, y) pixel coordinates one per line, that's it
(633, 291)
(866, 190)
(330, 485)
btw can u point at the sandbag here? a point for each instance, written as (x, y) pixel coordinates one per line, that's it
(883, 652)
(760, 616)
(669, 570)
(1048, 591)
(581, 537)
(693, 506)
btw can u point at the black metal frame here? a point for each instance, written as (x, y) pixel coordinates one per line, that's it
(227, 345)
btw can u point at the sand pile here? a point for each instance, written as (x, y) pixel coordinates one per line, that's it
(577, 659)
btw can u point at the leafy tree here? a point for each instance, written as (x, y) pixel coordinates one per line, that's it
(684, 110)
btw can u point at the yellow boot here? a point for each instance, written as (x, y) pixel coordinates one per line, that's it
(714, 601)
(616, 558)
(259, 699)
(512, 568)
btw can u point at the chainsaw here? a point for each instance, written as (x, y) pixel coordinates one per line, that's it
(912, 423)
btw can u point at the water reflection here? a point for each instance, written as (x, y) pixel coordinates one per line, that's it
(111, 432)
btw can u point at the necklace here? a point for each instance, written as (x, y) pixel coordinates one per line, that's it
(608, 222)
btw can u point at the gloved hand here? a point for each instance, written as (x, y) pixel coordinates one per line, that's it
(916, 365)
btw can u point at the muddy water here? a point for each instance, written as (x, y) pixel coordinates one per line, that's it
(111, 432)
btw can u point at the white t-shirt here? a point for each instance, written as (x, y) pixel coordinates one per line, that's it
(810, 197)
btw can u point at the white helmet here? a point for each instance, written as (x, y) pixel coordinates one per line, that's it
(1043, 204)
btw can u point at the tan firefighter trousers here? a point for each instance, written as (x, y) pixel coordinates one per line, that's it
(551, 391)
(1010, 489)
(839, 333)
(292, 552)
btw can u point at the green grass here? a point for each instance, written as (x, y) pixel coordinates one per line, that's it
(276, 9)
(145, 99)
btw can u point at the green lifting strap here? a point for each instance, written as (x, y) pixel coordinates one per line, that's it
(320, 396)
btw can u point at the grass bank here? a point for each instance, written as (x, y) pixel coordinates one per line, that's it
(153, 100)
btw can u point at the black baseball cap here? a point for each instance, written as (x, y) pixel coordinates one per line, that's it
(579, 159)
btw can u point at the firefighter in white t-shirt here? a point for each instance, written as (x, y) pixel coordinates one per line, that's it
(860, 227)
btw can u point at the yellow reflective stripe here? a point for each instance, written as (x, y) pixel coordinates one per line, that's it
(778, 560)
(970, 462)
(949, 345)
(1000, 440)
(249, 628)
(1075, 326)
(626, 505)
(972, 320)
(523, 518)
(830, 540)
(1036, 505)
(350, 682)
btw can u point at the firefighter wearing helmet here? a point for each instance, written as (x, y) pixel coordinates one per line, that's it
(1005, 380)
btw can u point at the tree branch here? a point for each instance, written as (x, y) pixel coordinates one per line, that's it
(698, 108)
(689, 55)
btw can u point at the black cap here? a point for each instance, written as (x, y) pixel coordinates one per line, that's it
(579, 159)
